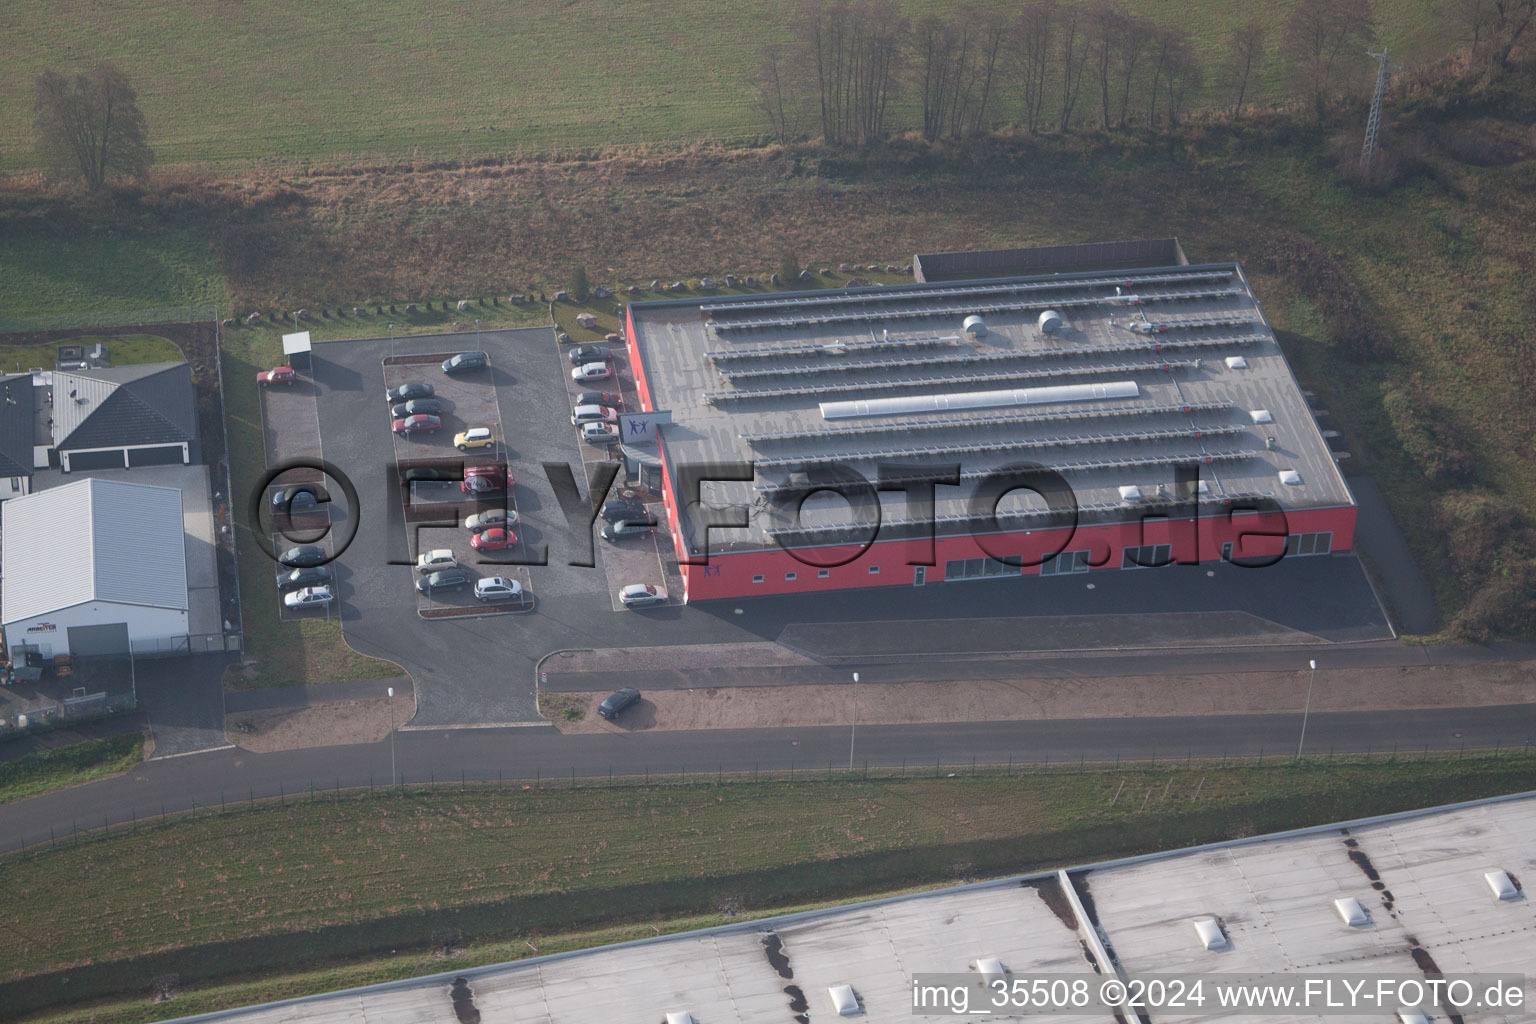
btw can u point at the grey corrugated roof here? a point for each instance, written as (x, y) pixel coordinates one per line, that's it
(152, 403)
(16, 425)
(95, 540)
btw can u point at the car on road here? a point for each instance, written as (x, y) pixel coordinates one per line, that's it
(489, 518)
(487, 479)
(298, 579)
(599, 433)
(437, 558)
(618, 509)
(309, 597)
(497, 588)
(465, 361)
(406, 392)
(588, 354)
(303, 556)
(615, 532)
(419, 474)
(416, 407)
(277, 375)
(592, 371)
(593, 414)
(638, 595)
(494, 539)
(474, 437)
(446, 579)
(299, 497)
(418, 425)
(619, 701)
(600, 398)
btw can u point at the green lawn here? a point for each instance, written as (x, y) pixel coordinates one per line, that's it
(287, 82)
(123, 349)
(67, 766)
(286, 888)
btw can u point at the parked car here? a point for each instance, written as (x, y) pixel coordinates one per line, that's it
(437, 558)
(416, 407)
(618, 702)
(486, 479)
(465, 361)
(474, 437)
(497, 588)
(592, 371)
(418, 474)
(299, 497)
(618, 509)
(614, 532)
(599, 433)
(418, 425)
(446, 579)
(492, 517)
(406, 392)
(494, 539)
(304, 556)
(638, 595)
(297, 579)
(277, 375)
(588, 354)
(593, 414)
(309, 597)
(600, 398)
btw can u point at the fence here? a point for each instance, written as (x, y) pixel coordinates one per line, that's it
(125, 318)
(197, 643)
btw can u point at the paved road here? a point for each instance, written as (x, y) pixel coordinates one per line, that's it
(525, 753)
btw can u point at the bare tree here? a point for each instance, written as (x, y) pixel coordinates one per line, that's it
(1322, 40)
(1495, 27)
(1033, 38)
(1135, 35)
(991, 30)
(936, 43)
(1073, 52)
(1164, 45)
(1106, 28)
(1184, 75)
(855, 50)
(779, 94)
(1244, 50)
(90, 125)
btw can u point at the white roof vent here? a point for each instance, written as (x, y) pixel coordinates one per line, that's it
(1202, 487)
(1210, 933)
(1290, 476)
(1351, 912)
(991, 969)
(1050, 321)
(1411, 1017)
(1502, 885)
(680, 1017)
(1236, 363)
(974, 325)
(843, 1000)
(1130, 492)
(1261, 415)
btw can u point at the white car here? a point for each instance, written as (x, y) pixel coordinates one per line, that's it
(492, 517)
(438, 558)
(497, 588)
(638, 595)
(593, 414)
(599, 433)
(309, 597)
(592, 371)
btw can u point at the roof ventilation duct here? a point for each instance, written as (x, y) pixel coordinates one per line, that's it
(907, 404)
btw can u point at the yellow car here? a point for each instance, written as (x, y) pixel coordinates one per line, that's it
(474, 437)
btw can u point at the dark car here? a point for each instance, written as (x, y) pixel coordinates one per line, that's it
(618, 702)
(619, 530)
(420, 473)
(304, 556)
(296, 579)
(406, 392)
(465, 361)
(588, 354)
(631, 511)
(416, 407)
(600, 398)
(443, 579)
(299, 497)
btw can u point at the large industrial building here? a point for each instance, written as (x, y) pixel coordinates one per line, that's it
(1109, 379)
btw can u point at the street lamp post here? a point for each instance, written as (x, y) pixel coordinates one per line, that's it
(1307, 709)
(391, 342)
(391, 692)
(853, 731)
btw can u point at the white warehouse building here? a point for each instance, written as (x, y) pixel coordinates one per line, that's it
(93, 567)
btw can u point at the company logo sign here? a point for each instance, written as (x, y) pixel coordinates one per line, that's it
(42, 627)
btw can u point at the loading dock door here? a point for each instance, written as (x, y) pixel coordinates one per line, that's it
(107, 638)
(164, 455)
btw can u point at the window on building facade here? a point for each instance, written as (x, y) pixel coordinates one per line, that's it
(1146, 556)
(822, 574)
(1309, 543)
(790, 576)
(757, 579)
(1065, 563)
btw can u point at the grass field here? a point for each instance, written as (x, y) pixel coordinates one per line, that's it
(287, 888)
(288, 82)
(67, 766)
(123, 349)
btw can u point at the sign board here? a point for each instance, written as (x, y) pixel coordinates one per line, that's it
(42, 627)
(640, 427)
(295, 343)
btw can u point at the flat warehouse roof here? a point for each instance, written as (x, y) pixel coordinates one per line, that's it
(1111, 379)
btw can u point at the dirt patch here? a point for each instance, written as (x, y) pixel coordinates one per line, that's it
(1038, 699)
(332, 724)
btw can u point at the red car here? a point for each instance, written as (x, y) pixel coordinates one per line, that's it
(419, 424)
(493, 539)
(277, 375)
(486, 479)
